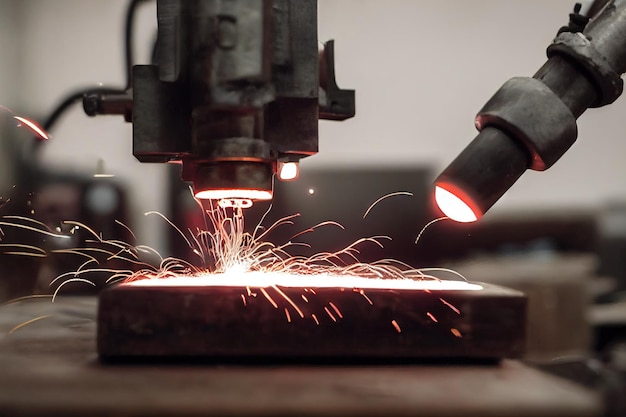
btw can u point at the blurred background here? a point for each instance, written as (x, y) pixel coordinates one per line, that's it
(421, 71)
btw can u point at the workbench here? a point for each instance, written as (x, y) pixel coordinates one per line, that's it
(50, 367)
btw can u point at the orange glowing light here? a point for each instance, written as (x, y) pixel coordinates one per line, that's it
(243, 194)
(258, 279)
(454, 207)
(456, 332)
(32, 126)
(288, 171)
(396, 326)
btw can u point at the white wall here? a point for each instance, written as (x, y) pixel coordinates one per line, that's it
(421, 68)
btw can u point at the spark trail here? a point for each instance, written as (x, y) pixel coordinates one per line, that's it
(224, 254)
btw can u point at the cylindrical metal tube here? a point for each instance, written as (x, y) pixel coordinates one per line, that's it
(234, 179)
(565, 79)
(485, 170)
(582, 71)
(608, 35)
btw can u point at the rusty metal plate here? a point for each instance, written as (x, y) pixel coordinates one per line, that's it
(280, 323)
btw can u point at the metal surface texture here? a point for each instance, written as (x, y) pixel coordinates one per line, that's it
(583, 70)
(232, 324)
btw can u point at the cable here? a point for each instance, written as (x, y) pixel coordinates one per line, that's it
(73, 98)
(128, 39)
(77, 95)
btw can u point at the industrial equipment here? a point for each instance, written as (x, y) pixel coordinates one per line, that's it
(531, 122)
(235, 95)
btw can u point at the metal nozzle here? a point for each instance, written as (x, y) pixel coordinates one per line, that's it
(483, 172)
(233, 180)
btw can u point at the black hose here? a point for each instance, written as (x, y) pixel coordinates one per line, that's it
(129, 59)
(72, 98)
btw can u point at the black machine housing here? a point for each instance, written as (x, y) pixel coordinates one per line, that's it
(238, 86)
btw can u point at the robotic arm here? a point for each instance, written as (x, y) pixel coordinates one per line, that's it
(531, 122)
(236, 94)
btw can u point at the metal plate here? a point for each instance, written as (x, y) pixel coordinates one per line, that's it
(232, 323)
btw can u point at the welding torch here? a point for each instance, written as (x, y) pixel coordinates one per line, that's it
(234, 96)
(530, 123)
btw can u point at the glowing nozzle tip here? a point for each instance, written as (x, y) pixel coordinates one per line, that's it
(453, 206)
(288, 171)
(233, 194)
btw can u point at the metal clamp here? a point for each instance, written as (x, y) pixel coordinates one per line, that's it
(530, 112)
(578, 47)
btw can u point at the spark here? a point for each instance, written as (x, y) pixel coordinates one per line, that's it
(18, 245)
(67, 281)
(128, 229)
(79, 225)
(26, 298)
(396, 326)
(334, 307)
(224, 254)
(456, 332)
(366, 297)
(330, 314)
(431, 316)
(453, 308)
(385, 197)
(33, 127)
(289, 300)
(26, 323)
(33, 255)
(32, 229)
(268, 297)
(419, 235)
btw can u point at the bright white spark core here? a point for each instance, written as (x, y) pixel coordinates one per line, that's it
(258, 279)
(32, 126)
(453, 207)
(289, 171)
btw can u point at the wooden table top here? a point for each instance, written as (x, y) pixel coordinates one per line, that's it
(50, 367)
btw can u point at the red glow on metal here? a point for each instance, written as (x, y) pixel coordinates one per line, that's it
(288, 171)
(232, 194)
(455, 204)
